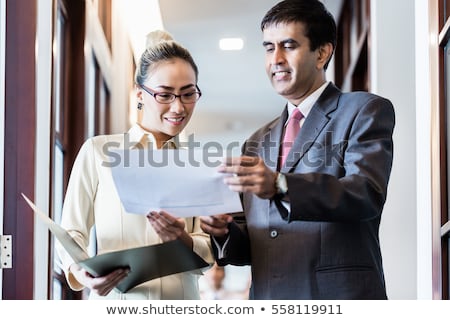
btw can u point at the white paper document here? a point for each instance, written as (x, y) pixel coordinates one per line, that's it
(182, 182)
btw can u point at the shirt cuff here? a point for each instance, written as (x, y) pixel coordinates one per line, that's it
(221, 248)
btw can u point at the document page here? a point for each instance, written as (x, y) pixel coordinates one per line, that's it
(183, 182)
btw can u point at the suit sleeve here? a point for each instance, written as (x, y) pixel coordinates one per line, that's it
(236, 248)
(360, 193)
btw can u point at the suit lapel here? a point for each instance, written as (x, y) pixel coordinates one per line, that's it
(272, 141)
(313, 125)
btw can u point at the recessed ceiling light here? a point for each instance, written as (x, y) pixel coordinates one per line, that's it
(231, 43)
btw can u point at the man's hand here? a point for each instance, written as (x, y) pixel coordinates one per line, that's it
(249, 174)
(217, 225)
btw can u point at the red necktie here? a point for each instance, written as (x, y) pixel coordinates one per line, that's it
(292, 129)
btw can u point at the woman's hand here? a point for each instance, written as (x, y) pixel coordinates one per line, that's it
(169, 228)
(99, 285)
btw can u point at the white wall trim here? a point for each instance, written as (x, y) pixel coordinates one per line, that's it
(2, 117)
(392, 69)
(423, 149)
(43, 138)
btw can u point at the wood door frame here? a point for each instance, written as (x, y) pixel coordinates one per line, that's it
(2, 118)
(71, 121)
(439, 29)
(19, 147)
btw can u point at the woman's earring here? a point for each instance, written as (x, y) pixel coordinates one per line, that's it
(139, 106)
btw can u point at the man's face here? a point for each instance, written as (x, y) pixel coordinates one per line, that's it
(293, 69)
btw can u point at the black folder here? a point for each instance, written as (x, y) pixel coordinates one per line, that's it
(145, 263)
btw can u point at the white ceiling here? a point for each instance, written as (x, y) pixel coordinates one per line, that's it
(236, 90)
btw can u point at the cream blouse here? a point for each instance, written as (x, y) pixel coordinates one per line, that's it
(92, 199)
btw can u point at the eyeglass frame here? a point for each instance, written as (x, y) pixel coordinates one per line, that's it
(174, 96)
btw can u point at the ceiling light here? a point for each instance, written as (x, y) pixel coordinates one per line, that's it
(231, 43)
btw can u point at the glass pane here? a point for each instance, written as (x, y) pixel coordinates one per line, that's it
(58, 183)
(445, 242)
(445, 10)
(448, 269)
(104, 14)
(57, 290)
(59, 54)
(58, 194)
(102, 108)
(447, 111)
(93, 69)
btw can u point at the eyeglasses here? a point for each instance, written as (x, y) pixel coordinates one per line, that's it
(168, 97)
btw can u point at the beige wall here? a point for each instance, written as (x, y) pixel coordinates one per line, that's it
(393, 74)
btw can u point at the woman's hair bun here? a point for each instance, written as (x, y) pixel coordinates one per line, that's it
(156, 37)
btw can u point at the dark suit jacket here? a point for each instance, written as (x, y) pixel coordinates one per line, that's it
(327, 246)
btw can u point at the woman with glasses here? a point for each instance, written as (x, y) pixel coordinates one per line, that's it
(167, 91)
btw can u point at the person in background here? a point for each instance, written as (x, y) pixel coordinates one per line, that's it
(214, 286)
(167, 91)
(314, 180)
(219, 283)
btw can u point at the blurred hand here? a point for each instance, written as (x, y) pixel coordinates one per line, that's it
(99, 285)
(250, 174)
(168, 227)
(217, 225)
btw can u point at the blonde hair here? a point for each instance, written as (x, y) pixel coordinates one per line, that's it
(157, 36)
(160, 46)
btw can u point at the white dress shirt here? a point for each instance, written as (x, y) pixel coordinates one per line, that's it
(306, 105)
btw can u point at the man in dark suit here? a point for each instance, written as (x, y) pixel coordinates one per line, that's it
(311, 222)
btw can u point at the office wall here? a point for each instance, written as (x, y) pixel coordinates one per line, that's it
(424, 91)
(393, 76)
(133, 20)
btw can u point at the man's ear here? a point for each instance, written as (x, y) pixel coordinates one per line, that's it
(325, 52)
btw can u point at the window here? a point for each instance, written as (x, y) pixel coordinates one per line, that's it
(98, 101)
(440, 12)
(67, 121)
(351, 56)
(59, 107)
(104, 15)
(80, 109)
(444, 226)
(102, 104)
